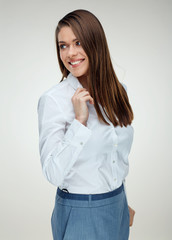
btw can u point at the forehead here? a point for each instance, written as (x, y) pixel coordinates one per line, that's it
(66, 34)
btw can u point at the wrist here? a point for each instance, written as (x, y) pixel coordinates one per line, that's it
(83, 122)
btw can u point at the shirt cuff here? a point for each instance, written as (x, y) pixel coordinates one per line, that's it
(77, 133)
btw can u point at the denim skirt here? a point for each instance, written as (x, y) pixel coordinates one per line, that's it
(103, 216)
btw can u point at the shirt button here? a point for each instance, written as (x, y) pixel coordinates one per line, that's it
(81, 143)
(116, 145)
(114, 179)
(113, 161)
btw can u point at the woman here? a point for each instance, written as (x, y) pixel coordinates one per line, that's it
(85, 136)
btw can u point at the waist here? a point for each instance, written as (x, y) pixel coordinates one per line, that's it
(66, 195)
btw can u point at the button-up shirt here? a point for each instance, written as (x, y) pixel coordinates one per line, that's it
(83, 159)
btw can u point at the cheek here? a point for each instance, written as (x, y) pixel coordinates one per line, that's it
(86, 58)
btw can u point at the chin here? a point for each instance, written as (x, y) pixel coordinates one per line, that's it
(78, 74)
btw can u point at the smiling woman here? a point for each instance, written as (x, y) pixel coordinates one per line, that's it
(86, 136)
(72, 54)
(100, 78)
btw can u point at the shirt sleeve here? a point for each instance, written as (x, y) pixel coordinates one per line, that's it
(58, 148)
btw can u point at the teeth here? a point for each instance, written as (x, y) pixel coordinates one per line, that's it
(74, 63)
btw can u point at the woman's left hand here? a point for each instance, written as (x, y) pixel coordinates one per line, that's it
(132, 213)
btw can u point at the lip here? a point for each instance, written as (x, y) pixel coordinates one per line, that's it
(76, 60)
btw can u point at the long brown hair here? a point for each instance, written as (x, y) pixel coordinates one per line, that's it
(104, 86)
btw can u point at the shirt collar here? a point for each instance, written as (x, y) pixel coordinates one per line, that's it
(74, 82)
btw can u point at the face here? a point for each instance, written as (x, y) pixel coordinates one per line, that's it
(72, 54)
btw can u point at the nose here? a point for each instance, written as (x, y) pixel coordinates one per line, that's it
(72, 51)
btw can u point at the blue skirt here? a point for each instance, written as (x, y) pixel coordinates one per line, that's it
(102, 216)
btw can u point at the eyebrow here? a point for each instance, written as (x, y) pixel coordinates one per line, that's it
(65, 42)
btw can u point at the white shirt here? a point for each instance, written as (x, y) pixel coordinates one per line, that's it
(84, 159)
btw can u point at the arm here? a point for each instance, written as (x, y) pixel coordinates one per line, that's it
(58, 149)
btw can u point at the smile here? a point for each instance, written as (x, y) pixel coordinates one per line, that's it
(76, 63)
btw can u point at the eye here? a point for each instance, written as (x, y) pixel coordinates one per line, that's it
(62, 46)
(78, 43)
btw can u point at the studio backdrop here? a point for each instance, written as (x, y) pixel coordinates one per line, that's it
(139, 35)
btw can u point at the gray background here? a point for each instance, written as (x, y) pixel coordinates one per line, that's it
(139, 36)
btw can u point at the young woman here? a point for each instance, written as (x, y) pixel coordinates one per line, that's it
(85, 136)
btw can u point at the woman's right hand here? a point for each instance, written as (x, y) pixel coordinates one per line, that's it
(79, 103)
(132, 213)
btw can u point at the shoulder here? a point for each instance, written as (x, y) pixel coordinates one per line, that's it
(60, 92)
(56, 89)
(124, 85)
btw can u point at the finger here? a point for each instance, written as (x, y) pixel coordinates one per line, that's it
(132, 213)
(79, 90)
(82, 93)
(91, 101)
(79, 97)
(86, 98)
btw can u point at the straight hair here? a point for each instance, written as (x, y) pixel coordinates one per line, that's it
(103, 84)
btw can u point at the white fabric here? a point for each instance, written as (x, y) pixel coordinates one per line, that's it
(84, 159)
